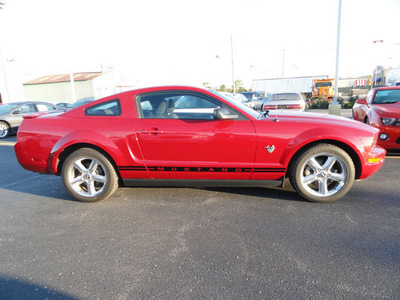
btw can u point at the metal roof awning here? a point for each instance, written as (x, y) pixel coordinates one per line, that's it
(65, 78)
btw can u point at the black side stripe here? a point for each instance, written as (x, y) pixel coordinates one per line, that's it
(202, 169)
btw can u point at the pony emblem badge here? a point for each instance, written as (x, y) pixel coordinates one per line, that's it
(270, 149)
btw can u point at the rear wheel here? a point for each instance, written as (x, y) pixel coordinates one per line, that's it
(322, 173)
(89, 176)
(4, 130)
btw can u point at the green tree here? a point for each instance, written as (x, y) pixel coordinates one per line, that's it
(222, 88)
(239, 86)
(207, 85)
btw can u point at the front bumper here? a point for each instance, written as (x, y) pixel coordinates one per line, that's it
(393, 132)
(373, 162)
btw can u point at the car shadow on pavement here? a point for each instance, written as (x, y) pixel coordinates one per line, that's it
(393, 153)
(17, 289)
(267, 193)
(41, 185)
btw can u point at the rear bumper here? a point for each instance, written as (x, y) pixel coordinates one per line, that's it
(35, 164)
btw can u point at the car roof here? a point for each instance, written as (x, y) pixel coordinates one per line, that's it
(387, 88)
(25, 102)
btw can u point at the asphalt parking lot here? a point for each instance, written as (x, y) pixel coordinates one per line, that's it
(183, 243)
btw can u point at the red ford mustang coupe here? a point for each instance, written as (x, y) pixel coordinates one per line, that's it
(184, 136)
(381, 109)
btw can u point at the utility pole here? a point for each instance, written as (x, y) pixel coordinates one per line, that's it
(233, 73)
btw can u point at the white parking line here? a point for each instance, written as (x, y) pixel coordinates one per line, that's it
(7, 143)
(19, 182)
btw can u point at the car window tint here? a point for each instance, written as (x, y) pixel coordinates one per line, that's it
(177, 106)
(109, 108)
(286, 96)
(26, 108)
(44, 107)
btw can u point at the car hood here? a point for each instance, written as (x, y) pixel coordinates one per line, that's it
(389, 109)
(315, 118)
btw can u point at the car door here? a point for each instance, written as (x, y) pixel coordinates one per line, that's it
(18, 113)
(180, 138)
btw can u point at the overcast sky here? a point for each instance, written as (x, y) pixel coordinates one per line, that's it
(177, 41)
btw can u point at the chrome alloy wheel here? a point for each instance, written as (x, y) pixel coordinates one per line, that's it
(87, 176)
(4, 130)
(323, 174)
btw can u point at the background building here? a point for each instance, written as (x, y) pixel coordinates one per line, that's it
(86, 85)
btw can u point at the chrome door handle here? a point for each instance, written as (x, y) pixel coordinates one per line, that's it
(153, 131)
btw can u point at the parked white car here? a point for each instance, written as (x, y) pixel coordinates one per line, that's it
(281, 101)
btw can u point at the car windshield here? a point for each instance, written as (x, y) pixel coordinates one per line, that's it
(254, 95)
(240, 105)
(5, 108)
(387, 96)
(285, 96)
(323, 84)
(242, 97)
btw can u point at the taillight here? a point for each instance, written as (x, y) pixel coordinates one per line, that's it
(269, 107)
(294, 106)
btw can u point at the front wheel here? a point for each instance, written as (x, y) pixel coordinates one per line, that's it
(4, 130)
(322, 173)
(89, 176)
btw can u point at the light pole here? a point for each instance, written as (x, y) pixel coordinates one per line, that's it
(376, 42)
(73, 90)
(334, 108)
(233, 73)
(2, 64)
(5, 76)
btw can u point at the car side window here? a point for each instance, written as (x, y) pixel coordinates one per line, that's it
(177, 105)
(44, 107)
(109, 108)
(26, 108)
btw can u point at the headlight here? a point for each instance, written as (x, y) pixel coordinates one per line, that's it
(390, 121)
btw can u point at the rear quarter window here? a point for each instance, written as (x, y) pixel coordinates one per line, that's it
(109, 109)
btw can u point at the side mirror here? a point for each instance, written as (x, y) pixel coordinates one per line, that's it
(16, 112)
(362, 101)
(224, 114)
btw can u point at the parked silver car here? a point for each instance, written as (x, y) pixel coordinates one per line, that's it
(11, 114)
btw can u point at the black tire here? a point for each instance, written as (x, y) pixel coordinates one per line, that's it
(89, 176)
(322, 173)
(4, 130)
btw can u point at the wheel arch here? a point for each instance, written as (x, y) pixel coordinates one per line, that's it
(5, 121)
(74, 147)
(349, 150)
